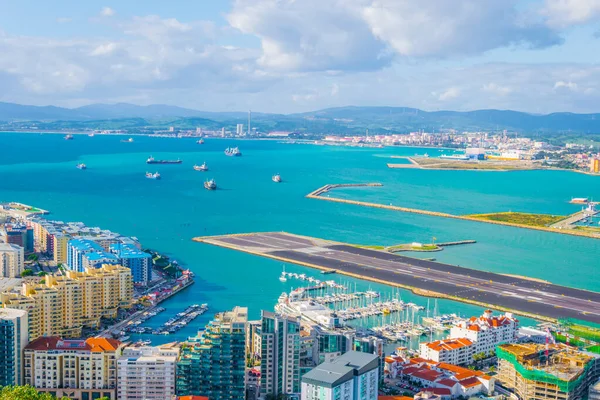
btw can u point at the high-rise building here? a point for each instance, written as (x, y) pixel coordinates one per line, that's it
(14, 234)
(137, 261)
(595, 165)
(76, 249)
(13, 339)
(280, 354)
(77, 369)
(352, 376)
(487, 331)
(535, 371)
(62, 305)
(61, 244)
(239, 129)
(147, 373)
(214, 363)
(12, 260)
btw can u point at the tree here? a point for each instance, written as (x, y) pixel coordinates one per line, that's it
(42, 273)
(24, 393)
(26, 272)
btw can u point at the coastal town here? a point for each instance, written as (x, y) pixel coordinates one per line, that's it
(74, 295)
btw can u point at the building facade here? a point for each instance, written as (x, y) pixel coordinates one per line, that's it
(280, 354)
(352, 376)
(12, 260)
(487, 331)
(147, 373)
(451, 351)
(214, 363)
(535, 372)
(77, 369)
(139, 262)
(13, 339)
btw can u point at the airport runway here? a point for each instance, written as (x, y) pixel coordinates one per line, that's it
(514, 293)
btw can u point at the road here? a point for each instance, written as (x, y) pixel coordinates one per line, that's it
(569, 223)
(519, 294)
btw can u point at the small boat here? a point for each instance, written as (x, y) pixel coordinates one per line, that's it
(91, 135)
(69, 137)
(282, 278)
(151, 175)
(233, 152)
(210, 185)
(202, 167)
(276, 178)
(151, 160)
(201, 141)
(130, 140)
(81, 166)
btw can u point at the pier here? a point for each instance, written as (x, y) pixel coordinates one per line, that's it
(456, 243)
(318, 195)
(536, 299)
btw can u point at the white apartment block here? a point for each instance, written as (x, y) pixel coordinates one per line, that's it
(146, 372)
(452, 351)
(487, 331)
(12, 260)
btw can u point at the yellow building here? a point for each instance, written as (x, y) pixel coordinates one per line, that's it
(61, 243)
(595, 165)
(533, 372)
(63, 305)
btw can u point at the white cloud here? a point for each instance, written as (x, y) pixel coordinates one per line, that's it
(448, 94)
(497, 89)
(567, 85)
(107, 12)
(63, 20)
(104, 49)
(563, 13)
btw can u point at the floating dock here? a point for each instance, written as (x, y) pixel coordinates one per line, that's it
(536, 299)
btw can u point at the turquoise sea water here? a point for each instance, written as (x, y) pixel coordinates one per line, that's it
(113, 193)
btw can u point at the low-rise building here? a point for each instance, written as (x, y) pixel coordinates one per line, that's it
(352, 376)
(487, 331)
(12, 260)
(535, 372)
(146, 372)
(76, 369)
(453, 351)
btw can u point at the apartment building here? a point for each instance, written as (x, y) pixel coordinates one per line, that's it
(146, 372)
(12, 260)
(76, 369)
(487, 331)
(452, 351)
(13, 339)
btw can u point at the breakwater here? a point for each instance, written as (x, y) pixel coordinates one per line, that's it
(318, 195)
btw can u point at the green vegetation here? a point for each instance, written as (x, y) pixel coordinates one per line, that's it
(26, 272)
(590, 229)
(33, 257)
(28, 393)
(163, 264)
(540, 220)
(42, 273)
(594, 349)
(572, 341)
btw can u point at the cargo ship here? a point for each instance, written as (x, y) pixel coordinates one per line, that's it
(276, 178)
(151, 160)
(69, 137)
(151, 175)
(202, 167)
(210, 185)
(579, 200)
(233, 152)
(81, 166)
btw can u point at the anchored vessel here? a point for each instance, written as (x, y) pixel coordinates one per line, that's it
(81, 166)
(151, 160)
(130, 140)
(201, 141)
(69, 137)
(210, 185)
(202, 167)
(233, 152)
(151, 175)
(276, 178)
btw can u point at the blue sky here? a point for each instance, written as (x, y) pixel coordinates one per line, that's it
(286, 56)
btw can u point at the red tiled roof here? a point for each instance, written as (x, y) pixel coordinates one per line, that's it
(438, 391)
(467, 383)
(100, 345)
(426, 374)
(447, 382)
(192, 398)
(449, 344)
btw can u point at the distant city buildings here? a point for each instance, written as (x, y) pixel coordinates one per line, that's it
(13, 339)
(77, 369)
(595, 165)
(352, 376)
(239, 129)
(214, 363)
(12, 260)
(146, 372)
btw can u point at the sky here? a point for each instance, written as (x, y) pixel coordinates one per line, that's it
(286, 56)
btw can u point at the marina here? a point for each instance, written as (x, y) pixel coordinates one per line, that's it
(508, 293)
(173, 325)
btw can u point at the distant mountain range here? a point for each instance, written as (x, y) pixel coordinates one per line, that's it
(332, 120)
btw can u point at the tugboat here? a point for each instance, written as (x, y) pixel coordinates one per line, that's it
(233, 152)
(151, 160)
(276, 178)
(201, 141)
(202, 167)
(151, 175)
(210, 185)
(81, 166)
(69, 137)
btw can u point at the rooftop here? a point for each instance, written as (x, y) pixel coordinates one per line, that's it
(449, 344)
(332, 374)
(85, 245)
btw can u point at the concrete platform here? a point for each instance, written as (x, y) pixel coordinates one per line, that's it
(532, 298)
